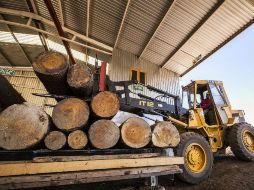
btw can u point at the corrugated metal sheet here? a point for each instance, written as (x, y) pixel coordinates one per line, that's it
(26, 82)
(179, 40)
(122, 62)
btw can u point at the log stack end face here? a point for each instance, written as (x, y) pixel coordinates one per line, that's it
(70, 114)
(77, 139)
(105, 104)
(22, 126)
(104, 134)
(136, 133)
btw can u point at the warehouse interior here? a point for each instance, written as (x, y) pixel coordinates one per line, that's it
(156, 42)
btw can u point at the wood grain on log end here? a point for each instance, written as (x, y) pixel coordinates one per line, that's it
(55, 140)
(103, 134)
(105, 104)
(135, 133)
(22, 126)
(70, 114)
(50, 63)
(77, 139)
(165, 134)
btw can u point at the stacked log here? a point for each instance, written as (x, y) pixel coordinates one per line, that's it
(103, 134)
(77, 140)
(70, 114)
(22, 126)
(55, 140)
(8, 94)
(105, 104)
(135, 133)
(80, 79)
(51, 68)
(165, 134)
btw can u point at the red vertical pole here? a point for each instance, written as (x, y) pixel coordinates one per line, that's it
(102, 76)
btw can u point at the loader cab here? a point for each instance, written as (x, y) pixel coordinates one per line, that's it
(207, 103)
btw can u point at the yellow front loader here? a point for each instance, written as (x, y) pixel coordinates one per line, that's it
(209, 126)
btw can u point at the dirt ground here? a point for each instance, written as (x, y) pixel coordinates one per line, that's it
(228, 174)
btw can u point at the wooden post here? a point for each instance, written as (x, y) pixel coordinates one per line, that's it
(80, 79)
(8, 94)
(103, 134)
(105, 104)
(77, 139)
(22, 126)
(165, 134)
(51, 68)
(70, 114)
(135, 133)
(55, 140)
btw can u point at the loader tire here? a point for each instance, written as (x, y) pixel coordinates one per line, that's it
(198, 158)
(241, 141)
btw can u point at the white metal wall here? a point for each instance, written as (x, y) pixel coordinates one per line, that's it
(26, 82)
(122, 62)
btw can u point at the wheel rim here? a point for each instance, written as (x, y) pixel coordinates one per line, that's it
(248, 140)
(195, 158)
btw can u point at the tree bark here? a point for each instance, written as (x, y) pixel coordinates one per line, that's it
(105, 104)
(77, 139)
(55, 140)
(51, 68)
(103, 134)
(135, 132)
(22, 126)
(70, 114)
(80, 79)
(165, 134)
(8, 94)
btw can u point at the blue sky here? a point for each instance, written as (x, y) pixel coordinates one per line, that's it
(234, 65)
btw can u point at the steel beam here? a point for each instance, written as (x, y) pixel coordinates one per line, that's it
(87, 24)
(158, 27)
(219, 47)
(122, 22)
(61, 12)
(33, 9)
(50, 23)
(54, 35)
(59, 29)
(194, 30)
(16, 40)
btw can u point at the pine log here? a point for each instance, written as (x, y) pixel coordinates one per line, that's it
(70, 114)
(105, 104)
(8, 94)
(22, 126)
(51, 68)
(103, 134)
(55, 140)
(135, 132)
(165, 134)
(80, 79)
(77, 139)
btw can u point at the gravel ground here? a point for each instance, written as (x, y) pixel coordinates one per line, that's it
(228, 174)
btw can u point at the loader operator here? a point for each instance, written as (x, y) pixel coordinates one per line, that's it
(206, 105)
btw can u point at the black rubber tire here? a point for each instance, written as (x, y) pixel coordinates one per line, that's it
(187, 175)
(235, 141)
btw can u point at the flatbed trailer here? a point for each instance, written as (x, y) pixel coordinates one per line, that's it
(53, 168)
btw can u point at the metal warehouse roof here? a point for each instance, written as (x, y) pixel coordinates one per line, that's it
(175, 34)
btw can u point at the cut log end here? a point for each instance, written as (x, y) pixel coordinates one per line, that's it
(104, 134)
(77, 140)
(55, 140)
(70, 114)
(50, 63)
(136, 133)
(165, 134)
(22, 126)
(79, 76)
(105, 104)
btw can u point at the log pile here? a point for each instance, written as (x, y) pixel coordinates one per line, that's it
(76, 123)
